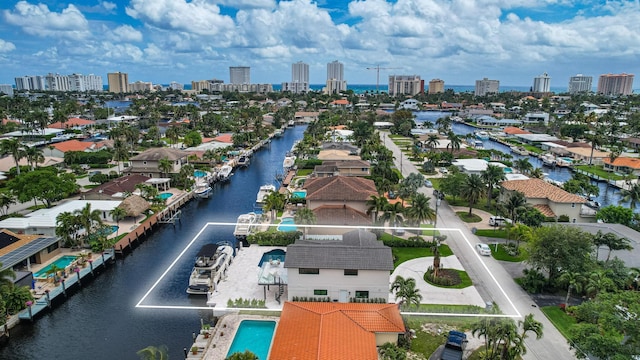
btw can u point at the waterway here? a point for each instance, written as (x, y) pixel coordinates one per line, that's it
(101, 321)
(608, 194)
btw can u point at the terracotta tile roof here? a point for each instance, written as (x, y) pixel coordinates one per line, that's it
(72, 122)
(329, 331)
(545, 210)
(340, 215)
(340, 188)
(306, 113)
(340, 102)
(74, 145)
(632, 163)
(511, 130)
(224, 138)
(540, 189)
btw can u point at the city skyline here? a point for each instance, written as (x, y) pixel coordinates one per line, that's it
(459, 42)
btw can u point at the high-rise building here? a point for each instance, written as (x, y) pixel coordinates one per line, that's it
(299, 79)
(615, 84)
(56, 82)
(335, 78)
(141, 86)
(580, 84)
(405, 85)
(93, 83)
(542, 83)
(30, 83)
(174, 85)
(6, 89)
(239, 75)
(486, 86)
(436, 86)
(118, 82)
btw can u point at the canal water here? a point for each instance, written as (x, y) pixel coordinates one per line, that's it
(608, 194)
(101, 321)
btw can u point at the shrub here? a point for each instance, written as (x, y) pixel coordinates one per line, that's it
(278, 238)
(533, 281)
(415, 241)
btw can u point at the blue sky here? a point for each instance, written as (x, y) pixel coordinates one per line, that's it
(458, 41)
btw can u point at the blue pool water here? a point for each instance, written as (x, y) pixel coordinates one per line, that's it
(566, 159)
(61, 263)
(255, 336)
(299, 195)
(507, 170)
(165, 195)
(275, 254)
(287, 224)
(199, 173)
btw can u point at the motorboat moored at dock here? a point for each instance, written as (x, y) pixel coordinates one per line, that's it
(211, 263)
(245, 224)
(264, 191)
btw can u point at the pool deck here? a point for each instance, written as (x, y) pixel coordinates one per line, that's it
(222, 336)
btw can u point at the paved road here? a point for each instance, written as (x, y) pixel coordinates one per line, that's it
(492, 281)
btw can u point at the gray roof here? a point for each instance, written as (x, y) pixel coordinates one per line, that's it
(358, 249)
(156, 154)
(24, 252)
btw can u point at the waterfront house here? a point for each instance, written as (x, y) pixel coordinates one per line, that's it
(337, 155)
(73, 123)
(43, 221)
(305, 117)
(147, 163)
(115, 189)
(623, 164)
(537, 117)
(355, 266)
(584, 154)
(552, 201)
(535, 138)
(57, 150)
(343, 168)
(7, 163)
(328, 331)
(19, 251)
(348, 191)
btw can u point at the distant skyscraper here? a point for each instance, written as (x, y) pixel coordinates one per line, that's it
(239, 75)
(579, 84)
(6, 89)
(118, 82)
(56, 82)
(335, 78)
(405, 85)
(615, 84)
(299, 79)
(30, 83)
(486, 86)
(140, 86)
(542, 83)
(436, 86)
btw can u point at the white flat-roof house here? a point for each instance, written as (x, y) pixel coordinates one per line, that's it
(43, 221)
(357, 266)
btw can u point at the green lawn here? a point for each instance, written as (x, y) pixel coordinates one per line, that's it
(502, 254)
(402, 254)
(464, 216)
(559, 318)
(449, 309)
(494, 233)
(428, 232)
(304, 172)
(480, 205)
(435, 182)
(599, 171)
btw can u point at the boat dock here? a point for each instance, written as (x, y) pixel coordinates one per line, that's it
(73, 282)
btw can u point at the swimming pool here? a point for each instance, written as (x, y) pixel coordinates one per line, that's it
(62, 262)
(165, 195)
(255, 336)
(567, 160)
(275, 254)
(287, 224)
(298, 194)
(199, 173)
(507, 170)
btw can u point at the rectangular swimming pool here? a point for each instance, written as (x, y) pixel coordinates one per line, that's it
(255, 336)
(62, 262)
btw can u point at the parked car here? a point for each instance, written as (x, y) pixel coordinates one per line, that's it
(443, 170)
(398, 231)
(499, 221)
(428, 183)
(483, 249)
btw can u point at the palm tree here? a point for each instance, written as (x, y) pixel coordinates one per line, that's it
(305, 216)
(88, 218)
(523, 165)
(14, 148)
(246, 355)
(165, 166)
(420, 209)
(574, 281)
(492, 176)
(515, 203)
(405, 289)
(454, 141)
(34, 156)
(376, 204)
(632, 195)
(529, 324)
(6, 276)
(393, 213)
(472, 189)
(67, 227)
(120, 152)
(432, 141)
(536, 173)
(118, 214)
(273, 202)
(154, 353)
(6, 200)
(597, 282)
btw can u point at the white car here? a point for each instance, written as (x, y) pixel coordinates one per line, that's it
(443, 170)
(483, 249)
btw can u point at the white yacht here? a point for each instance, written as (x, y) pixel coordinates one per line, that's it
(211, 263)
(264, 191)
(224, 174)
(202, 190)
(289, 162)
(245, 224)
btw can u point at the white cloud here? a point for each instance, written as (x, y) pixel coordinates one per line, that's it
(127, 33)
(197, 16)
(248, 4)
(103, 7)
(38, 20)
(6, 46)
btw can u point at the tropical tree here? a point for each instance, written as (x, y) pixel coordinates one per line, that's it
(154, 353)
(573, 281)
(393, 214)
(118, 214)
(513, 205)
(120, 152)
(165, 166)
(67, 227)
(454, 141)
(375, 205)
(529, 324)
(34, 156)
(492, 176)
(273, 202)
(88, 220)
(405, 290)
(598, 281)
(432, 141)
(472, 189)
(305, 216)
(523, 165)
(6, 200)
(631, 195)
(14, 148)
(6, 276)
(246, 355)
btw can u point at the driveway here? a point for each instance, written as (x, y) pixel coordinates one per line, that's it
(491, 280)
